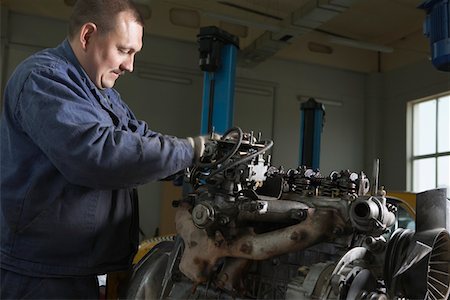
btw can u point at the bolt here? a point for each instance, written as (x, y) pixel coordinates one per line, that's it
(199, 214)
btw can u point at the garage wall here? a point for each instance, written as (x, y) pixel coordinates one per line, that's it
(342, 137)
(400, 86)
(166, 89)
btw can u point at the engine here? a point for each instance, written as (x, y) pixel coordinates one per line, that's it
(251, 230)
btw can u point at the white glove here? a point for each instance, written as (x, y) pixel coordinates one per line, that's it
(198, 144)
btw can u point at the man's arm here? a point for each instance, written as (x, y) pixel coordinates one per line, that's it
(83, 143)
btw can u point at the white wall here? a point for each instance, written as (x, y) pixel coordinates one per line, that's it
(342, 138)
(174, 108)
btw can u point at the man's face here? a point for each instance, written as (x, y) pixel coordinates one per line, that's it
(111, 54)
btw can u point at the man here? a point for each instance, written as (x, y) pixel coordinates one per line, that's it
(71, 155)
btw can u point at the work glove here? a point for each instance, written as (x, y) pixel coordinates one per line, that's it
(203, 145)
(198, 144)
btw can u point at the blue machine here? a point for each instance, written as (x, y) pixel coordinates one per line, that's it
(218, 52)
(312, 120)
(437, 28)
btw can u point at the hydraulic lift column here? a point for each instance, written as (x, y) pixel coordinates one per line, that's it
(312, 119)
(218, 51)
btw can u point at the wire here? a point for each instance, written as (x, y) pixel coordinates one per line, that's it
(232, 151)
(267, 146)
(203, 170)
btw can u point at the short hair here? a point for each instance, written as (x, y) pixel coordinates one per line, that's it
(102, 13)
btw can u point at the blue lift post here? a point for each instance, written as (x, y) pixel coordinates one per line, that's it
(218, 52)
(311, 125)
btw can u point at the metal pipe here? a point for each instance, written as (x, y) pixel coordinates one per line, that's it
(202, 253)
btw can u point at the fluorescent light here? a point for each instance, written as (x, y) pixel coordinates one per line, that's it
(231, 19)
(253, 91)
(360, 44)
(165, 78)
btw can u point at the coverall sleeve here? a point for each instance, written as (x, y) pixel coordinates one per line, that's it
(83, 143)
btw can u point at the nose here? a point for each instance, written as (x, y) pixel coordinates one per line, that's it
(127, 65)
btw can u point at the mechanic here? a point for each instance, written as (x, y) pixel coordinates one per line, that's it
(72, 154)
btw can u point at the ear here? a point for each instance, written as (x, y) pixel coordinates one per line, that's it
(86, 33)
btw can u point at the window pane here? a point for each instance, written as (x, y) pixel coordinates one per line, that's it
(444, 173)
(444, 124)
(404, 219)
(424, 135)
(424, 174)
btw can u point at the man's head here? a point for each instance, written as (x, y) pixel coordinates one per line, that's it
(105, 35)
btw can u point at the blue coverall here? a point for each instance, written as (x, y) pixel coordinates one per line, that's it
(71, 157)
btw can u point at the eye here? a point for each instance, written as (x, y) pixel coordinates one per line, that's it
(123, 50)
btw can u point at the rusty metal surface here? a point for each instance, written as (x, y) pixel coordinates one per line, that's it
(202, 252)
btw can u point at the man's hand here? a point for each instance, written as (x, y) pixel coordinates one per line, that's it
(198, 143)
(204, 145)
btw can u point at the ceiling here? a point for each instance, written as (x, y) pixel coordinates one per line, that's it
(358, 35)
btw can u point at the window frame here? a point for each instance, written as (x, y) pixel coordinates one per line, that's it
(410, 140)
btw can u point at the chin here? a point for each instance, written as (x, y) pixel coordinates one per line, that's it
(107, 85)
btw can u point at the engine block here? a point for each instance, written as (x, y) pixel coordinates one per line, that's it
(249, 230)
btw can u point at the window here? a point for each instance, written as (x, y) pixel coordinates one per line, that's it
(429, 166)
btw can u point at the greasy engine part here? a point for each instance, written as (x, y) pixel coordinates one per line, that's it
(233, 214)
(309, 282)
(370, 214)
(254, 231)
(418, 263)
(347, 279)
(202, 252)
